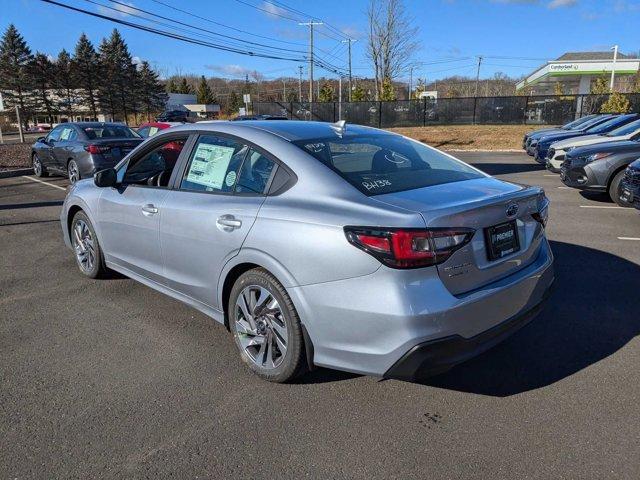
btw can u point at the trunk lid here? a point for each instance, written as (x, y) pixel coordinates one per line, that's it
(477, 204)
(118, 147)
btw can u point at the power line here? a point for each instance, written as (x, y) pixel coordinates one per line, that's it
(191, 14)
(170, 34)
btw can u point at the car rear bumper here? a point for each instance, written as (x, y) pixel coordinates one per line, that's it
(368, 324)
(438, 356)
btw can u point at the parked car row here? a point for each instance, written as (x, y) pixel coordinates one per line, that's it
(594, 153)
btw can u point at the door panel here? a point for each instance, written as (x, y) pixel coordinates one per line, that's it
(199, 232)
(129, 222)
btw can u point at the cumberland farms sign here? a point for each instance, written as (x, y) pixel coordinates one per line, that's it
(552, 69)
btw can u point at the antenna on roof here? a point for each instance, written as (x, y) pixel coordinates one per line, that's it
(339, 127)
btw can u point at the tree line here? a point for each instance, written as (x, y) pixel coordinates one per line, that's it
(86, 83)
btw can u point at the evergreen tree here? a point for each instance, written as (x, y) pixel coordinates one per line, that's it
(235, 102)
(388, 92)
(326, 93)
(358, 94)
(150, 91)
(15, 59)
(184, 87)
(42, 75)
(171, 86)
(204, 95)
(85, 73)
(64, 81)
(118, 76)
(616, 103)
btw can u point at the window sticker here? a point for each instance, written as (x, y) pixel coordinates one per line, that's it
(209, 165)
(231, 178)
(66, 133)
(153, 131)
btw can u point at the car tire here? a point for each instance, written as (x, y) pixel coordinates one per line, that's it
(266, 327)
(86, 248)
(38, 169)
(614, 190)
(73, 172)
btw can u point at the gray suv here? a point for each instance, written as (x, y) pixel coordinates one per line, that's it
(320, 244)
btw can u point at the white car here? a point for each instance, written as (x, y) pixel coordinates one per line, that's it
(558, 150)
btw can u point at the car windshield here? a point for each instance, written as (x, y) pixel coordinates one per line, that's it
(627, 129)
(609, 124)
(379, 164)
(578, 122)
(110, 131)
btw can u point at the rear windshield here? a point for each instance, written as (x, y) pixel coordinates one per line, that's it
(110, 131)
(610, 124)
(627, 129)
(578, 122)
(379, 164)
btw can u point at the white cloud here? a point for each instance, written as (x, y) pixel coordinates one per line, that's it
(274, 11)
(121, 11)
(230, 69)
(562, 3)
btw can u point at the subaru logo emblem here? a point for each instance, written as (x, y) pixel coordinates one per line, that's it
(512, 210)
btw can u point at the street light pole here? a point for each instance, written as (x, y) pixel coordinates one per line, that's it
(613, 67)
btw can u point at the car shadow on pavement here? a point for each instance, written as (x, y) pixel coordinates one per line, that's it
(592, 313)
(506, 168)
(596, 196)
(16, 206)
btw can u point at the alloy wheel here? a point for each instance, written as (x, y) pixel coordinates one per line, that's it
(74, 173)
(83, 245)
(260, 327)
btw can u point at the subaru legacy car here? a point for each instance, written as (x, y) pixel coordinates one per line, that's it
(574, 125)
(600, 167)
(558, 150)
(80, 149)
(320, 244)
(545, 142)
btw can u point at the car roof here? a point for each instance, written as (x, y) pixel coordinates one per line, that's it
(291, 130)
(96, 124)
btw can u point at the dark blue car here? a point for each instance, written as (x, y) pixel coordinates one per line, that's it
(630, 185)
(601, 127)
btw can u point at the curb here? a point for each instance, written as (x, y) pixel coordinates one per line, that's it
(16, 173)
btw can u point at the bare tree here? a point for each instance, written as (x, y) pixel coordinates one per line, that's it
(392, 41)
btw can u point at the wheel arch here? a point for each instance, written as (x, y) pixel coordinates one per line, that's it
(615, 171)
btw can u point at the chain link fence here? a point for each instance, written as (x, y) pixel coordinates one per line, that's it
(533, 110)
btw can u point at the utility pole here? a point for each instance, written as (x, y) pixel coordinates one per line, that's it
(349, 41)
(300, 83)
(410, 80)
(19, 124)
(284, 90)
(310, 25)
(478, 74)
(613, 68)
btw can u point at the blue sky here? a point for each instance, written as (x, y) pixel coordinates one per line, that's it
(525, 32)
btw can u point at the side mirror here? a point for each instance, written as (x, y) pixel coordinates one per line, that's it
(41, 139)
(106, 178)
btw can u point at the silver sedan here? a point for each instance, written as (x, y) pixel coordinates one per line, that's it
(320, 244)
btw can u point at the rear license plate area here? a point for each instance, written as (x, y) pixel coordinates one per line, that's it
(501, 240)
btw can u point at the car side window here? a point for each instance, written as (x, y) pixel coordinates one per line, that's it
(68, 134)
(154, 168)
(55, 133)
(144, 132)
(214, 165)
(255, 173)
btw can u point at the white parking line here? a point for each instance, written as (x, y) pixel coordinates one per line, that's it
(45, 183)
(602, 206)
(629, 238)
(545, 175)
(565, 188)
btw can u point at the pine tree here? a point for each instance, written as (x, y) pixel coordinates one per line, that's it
(42, 74)
(184, 87)
(388, 92)
(616, 103)
(118, 75)
(358, 94)
(235, 102)
(15, 59)
(171, 86)
(85, 73)
(64, 81)
(326, 93)
(204, 95)
(150, 91)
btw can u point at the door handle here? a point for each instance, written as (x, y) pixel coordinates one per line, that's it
(149, 209)
(228, 223)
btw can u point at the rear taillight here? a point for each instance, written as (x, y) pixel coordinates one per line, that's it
(409, 248)
(542, 215)
(95, 149)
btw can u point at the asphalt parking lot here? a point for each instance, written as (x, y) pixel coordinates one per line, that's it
(111, 379)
